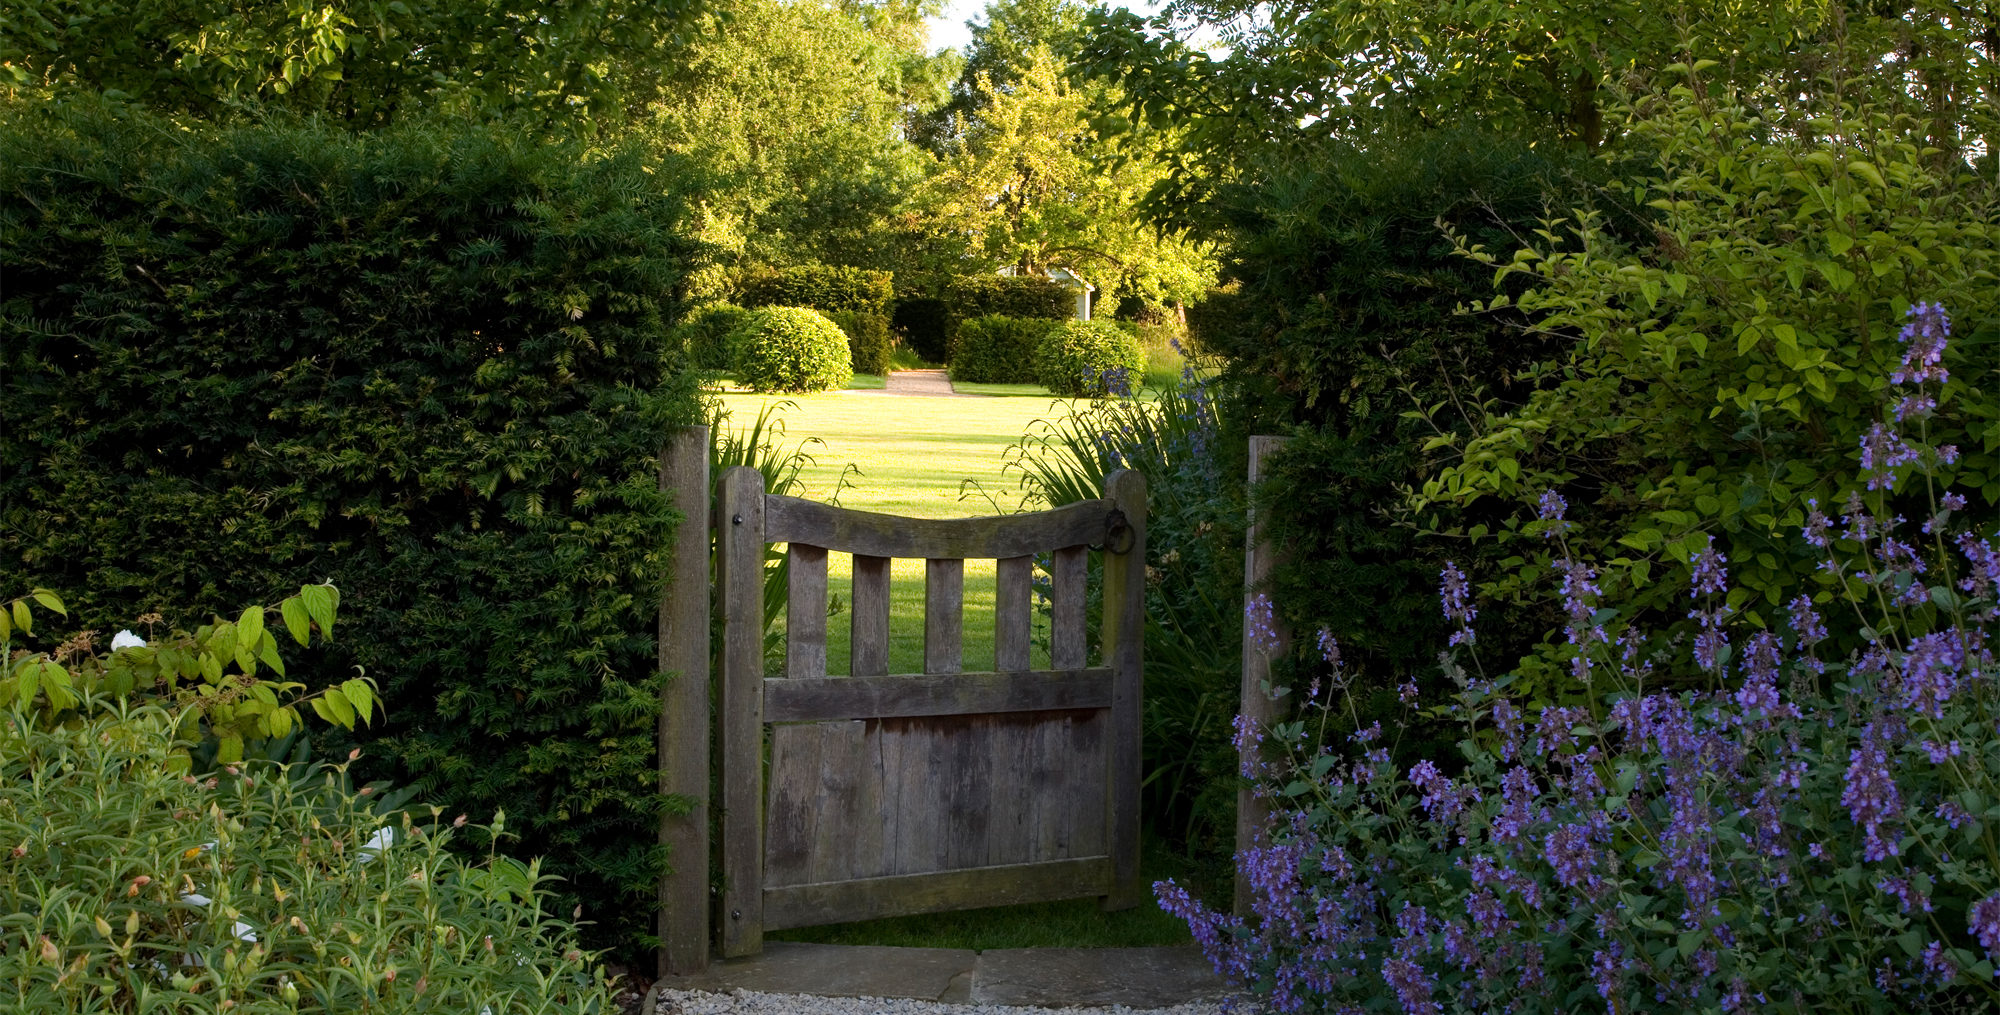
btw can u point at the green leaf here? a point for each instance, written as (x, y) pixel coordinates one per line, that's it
(50, 601)
(282, 720)
(296, 620)
(267, 650)
(342, 709)
(1867, 171)
(22, 618)
(361, 695)
(26, 681)
(250, 626)
(319, 601)
(229, 749)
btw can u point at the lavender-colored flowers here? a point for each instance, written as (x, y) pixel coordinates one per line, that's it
(1262, 626)
(1871, 796)
(1923, 336)
(1983, 920)
(1455, 595)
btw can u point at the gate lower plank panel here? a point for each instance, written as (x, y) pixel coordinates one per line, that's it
(792, 699)
(911, 894)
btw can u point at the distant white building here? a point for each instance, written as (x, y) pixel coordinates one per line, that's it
(1084, 291)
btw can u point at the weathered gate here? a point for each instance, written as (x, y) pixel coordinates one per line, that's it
(892, 795)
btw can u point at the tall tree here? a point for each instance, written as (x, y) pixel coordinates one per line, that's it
(363, 62)
(794, 110)
(1034, 184)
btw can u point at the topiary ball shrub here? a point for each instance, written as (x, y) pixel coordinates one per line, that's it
(870, 343)
(791, 349)
(1089, 359)
(998, 350)
(705, 336)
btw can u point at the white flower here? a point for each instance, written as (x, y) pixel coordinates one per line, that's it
(126, 639)
(381, 840)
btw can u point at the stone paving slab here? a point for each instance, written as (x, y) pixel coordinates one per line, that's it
(1066, 977)
(790, 967)
(1044, 977)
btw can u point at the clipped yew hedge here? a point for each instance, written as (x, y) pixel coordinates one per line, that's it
(427, 365)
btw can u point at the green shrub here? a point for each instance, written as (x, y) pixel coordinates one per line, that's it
(262, 889)
(704, 336)
(998, 350)
(791, 349)
(870, 344)
(1089, 359)
(820, 287)
(427, 364)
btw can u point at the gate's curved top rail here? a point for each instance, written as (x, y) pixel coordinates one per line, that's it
(867, 533)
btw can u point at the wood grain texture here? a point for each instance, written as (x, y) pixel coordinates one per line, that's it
(910, 894)
(878, 535)
(739, 518)
(868, 643)
(1013, 613)
(944, 615)
(1123, 644)
(1256, 704)
(805, 611)
(789, 700)
(1069, 647)
(791, 829)
(685, 713)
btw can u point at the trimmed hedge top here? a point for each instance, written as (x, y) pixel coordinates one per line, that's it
(818, 287)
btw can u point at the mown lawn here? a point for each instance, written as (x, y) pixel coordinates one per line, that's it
(940, 457)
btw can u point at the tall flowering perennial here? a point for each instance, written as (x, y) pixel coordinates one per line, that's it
(1817, 831)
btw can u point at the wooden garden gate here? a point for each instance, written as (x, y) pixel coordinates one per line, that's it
(872, 795)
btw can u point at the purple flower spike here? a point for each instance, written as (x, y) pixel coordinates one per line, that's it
(1261, 625)
(1924, 336)
(1456, 597)
(1983, 920)
(1882, 452)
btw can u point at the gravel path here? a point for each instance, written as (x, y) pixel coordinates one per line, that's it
(918, 382)
(747, 1002)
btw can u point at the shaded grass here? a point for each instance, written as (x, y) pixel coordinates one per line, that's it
(1075, 923)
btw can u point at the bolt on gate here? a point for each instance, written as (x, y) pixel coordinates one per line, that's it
(891, 795)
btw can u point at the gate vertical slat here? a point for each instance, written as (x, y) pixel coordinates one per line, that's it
(944, 616)
(1069, 648)
(868, 643)
(685, 712)
(805, 611)
(739, 515)
(1013, 613)
(1124, 639)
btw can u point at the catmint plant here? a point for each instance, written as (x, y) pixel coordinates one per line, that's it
(1803, 833)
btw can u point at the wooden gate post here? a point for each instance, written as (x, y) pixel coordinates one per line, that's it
(684, 709)
(1257, 705)
(1124, 640)
(739, 526)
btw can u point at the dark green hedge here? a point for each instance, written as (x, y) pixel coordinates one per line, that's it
(998, 350)
(1341, 318)
(427, 365)
(704, 336)
(820, 287)
(929, 308)
(870, 343)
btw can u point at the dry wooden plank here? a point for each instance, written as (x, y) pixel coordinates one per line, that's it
(1087, 796)
(791, 820)
(805, 611)
(838, 827)
(787, 700)
(1123, 641)
(868, 645)
(924, 790)
(739, 517)
(944, 615)
(1013, 612)
(1011, 767)
(684, 709)
(878, 535)
(973, 805)
(887, 755)
(1257, 705)
(909, 894)
(1050, 834)
(1068, 645)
